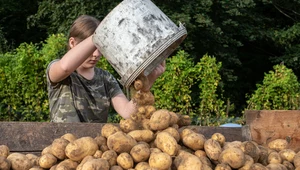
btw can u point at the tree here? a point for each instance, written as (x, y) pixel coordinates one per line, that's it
(13, 24)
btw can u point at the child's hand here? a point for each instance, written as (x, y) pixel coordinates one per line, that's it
(158, 71)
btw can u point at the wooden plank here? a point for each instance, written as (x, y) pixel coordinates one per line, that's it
(29, 137)
(268, 125)
(33, 137)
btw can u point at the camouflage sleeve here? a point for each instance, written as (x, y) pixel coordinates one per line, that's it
(60, 101)
(113, 85)
(49, 84)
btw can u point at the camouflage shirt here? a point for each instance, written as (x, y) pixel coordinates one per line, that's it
(76, 99)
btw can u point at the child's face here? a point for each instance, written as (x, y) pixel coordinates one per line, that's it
(92, 60)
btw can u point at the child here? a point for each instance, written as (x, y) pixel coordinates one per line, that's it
(80, 92)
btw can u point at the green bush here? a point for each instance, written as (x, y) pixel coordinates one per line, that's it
(24, 95)
(192, 89)
(279, 90)
(172, 90)
(211, 105)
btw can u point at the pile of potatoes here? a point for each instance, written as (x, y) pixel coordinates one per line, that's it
(153, 139)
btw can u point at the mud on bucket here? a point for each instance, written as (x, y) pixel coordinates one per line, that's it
(135, 37)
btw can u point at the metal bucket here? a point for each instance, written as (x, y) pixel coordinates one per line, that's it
(135, 37)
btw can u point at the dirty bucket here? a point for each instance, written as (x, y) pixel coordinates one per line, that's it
(135, 37)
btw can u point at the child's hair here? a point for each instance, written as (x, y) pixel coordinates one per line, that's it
(83, 27)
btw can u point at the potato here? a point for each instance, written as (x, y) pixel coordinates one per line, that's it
(205, 161)
(53, 167)
(138, 84)
(145, 124)
(222, 166)
(102, 143)
(33, 159)
(58, 147)
(125, 160)
(274, 158)
(142, 166)
(140, 152)
(98, 154)
(4, 163)
(167, 143)
(36, 168)
(80, 148)
(144, 98)
(213, 149)
(275, 166)
(296, 160)
(192, 139)
(84, 160)
(4, 151)
(233, 144)
(142, 135)
(67, 164)
(206, 167)
(141, 109)
(128, 125)
(250, 148)
(186, 149)
(110, 156)
(263, 155)
(69, 137)
(100, 140)
(120, 142)
(174, 132)
(156, 150)
(258, 166)
(137, 117)
(184, 131)
(47, 161)
(160, 119)
(248, 163)
(116, 167)
(46, 150)
(161, 161)
(234, 157)
(19, 161)
(96, 164)
(219, 138)
(200, 153)
(149, 110)
(109, 129)
(174, 118)
(287, 155)
(278, 144)
(184, 120)
(288, 165)
(175, 126)
(185, 160)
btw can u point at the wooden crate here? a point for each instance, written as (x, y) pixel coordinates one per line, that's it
(267, 125)
(32, 137)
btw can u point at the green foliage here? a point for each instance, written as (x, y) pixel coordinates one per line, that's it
(13, 24)
(24, 96)
(279, 90)
(173, 90)
(57, 16)
(210, 103)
